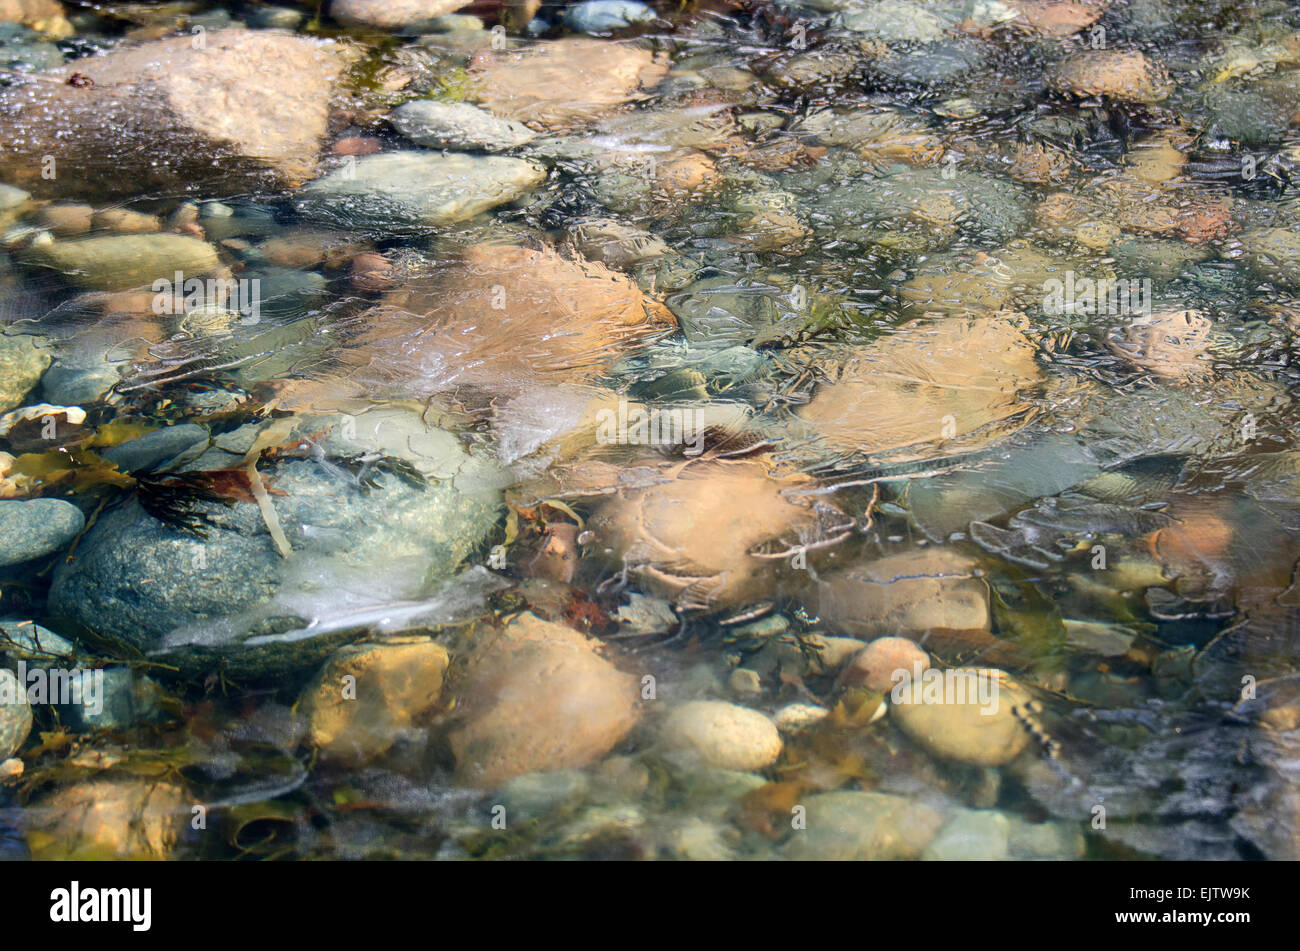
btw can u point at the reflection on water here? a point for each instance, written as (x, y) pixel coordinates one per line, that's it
(860, 429)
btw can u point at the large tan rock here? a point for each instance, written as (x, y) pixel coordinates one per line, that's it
(1173, 344)
(367, 695)
(390, 14)
(564, 83)
(1118, 74)
(907, 594)
(230, 108)
(929, 388)
(107, 819)
(693, 537)
(504, 319)
(44, 15)
(971, 722)
(123, 262)
(1057, 17)
(537, 697)
(721, 735)
(863, 826)
(876, 666)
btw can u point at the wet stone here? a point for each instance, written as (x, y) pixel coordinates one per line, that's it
(15, 717)
(977, 725)
(108, 819)
(173, 113)
(908, 593)
(970, 836)
(456, 125)
(368, 696)
(392, 15)
(23, 359)
(539, 699)
(127, 261)
(721, 735)
(415, 193)
(35, 528)
(141, 580)
(863, 826)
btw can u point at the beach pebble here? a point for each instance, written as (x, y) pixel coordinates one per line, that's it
(721, 734)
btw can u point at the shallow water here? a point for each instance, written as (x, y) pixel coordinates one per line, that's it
(529, 482)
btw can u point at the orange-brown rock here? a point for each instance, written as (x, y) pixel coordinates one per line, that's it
(566, 82)
(1172, 344)
(537, 697)
(502, 319)
(1118, 74)
(1057, 17)
(367, 695)
(244, 108)
(107, 819)
(928, 388)
(43, 15)
(694, 536)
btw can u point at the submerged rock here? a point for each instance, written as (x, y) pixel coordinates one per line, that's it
(368, 695)
(821, 70)
(863, 826)
(361, 558)
(690, 537)
(275, 18)
(66, 219)
(798, 717)
(22, 361)
(537, 698)
(15, 718)
(895, 21)
(974, 722)
(123, 262)
(458, 125)
(1273, 254)
(22, 639)
(244, 108)
(27, 51)
(934, 387)
(720, 735)
(971, 836)
(404, 16)
(1119, 74)
(626, 183)
(907, 208)
(566, 82)
(1044, 840)
(769, 220)
(44, 15)
(308, 248)
(722, 311)
(876, 665)
(611, 242)
(907, 594)
(125, 221)
(535, 794)
(126, 698)
(107, 819)
(506, 318)
(602, 16)
(414, 193)
(34, 528)
(1168, 344)
(878, 135)
(1057, 17)
(938, 64)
